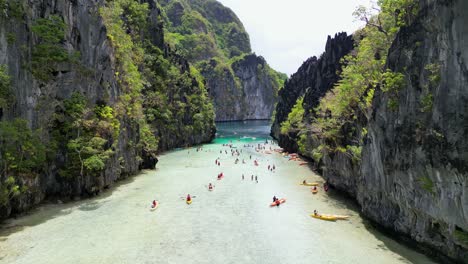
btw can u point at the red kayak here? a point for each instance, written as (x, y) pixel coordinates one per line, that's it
(278, 202)
(220, 176)
(154, 207)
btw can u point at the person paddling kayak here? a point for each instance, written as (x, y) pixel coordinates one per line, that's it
(154, 204)
(188, 198)
(210, 186)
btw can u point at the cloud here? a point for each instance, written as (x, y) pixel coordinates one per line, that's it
(286, 33)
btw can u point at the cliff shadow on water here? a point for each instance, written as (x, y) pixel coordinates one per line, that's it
(55, 207)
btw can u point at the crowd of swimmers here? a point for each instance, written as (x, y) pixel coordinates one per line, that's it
(236, 152)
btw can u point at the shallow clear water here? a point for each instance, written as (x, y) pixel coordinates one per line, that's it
(232, 224)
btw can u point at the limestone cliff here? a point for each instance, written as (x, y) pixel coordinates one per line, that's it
(211, 36)
(414, 177)
(397, 144)
(61, 66)
(245, 91)
(313, 79)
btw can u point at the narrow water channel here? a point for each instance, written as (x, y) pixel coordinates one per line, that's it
(232, 224)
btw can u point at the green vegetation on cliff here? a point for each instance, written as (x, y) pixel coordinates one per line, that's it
(22, 155)
(214, 40)
(201, 30)
(294, 122)
(150, 100)
(49, 51)
(364, 71)
(87, 133)
(5, 92)
(175, 102)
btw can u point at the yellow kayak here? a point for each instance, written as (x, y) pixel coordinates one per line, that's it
(324, 217)
(339, 217)
(315, 191)
(310, 184)
(189, 202)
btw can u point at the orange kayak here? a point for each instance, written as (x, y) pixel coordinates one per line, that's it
(280, 201)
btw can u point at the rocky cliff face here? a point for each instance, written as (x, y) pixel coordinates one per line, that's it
(410, 177)
(36, 101)
(213, 38)
(247, 92)
(95, 74)
(312, 80)
(414, 177)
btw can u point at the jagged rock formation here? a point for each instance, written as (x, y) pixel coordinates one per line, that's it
(96, 72)
(312, 80)
(213, 38)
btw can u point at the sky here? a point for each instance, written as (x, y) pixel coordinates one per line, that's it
(287, 32)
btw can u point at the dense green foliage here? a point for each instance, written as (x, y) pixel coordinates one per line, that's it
(364, 71)
(294, 121)
(49, 51)
(22, 154)
(128, 55)
(211, 37)
(433, 76)
(175, 100)
(87, 134)
(200, 30)
(176, 103)
(11, 9)
(5, 92)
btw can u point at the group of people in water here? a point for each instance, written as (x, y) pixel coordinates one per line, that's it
(234, 152)
(251, 177)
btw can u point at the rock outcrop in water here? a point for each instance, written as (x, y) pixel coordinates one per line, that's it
(211, 36)
(75, 72)
(411, 176)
